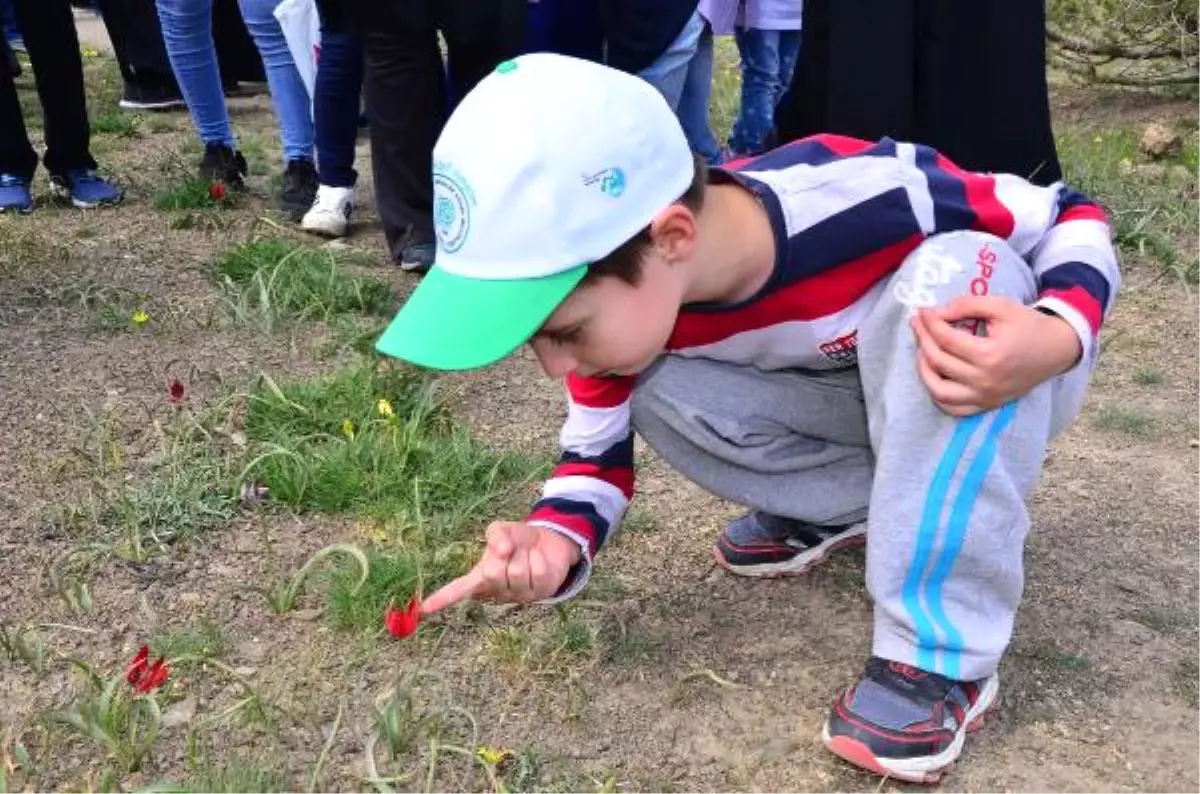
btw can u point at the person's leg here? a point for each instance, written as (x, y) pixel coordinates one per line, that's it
(791, 445)
(947, 523)
(759, 50)
(288, 94)
(669, 71)
(18, 160)
(789, 54)
(187, 34)
(695, 99)
(406, 105)
(477, 41)
(335, 117)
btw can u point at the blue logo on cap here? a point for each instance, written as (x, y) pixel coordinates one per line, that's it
(452, 202)
(611, 181)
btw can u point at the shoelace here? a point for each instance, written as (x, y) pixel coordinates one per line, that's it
(8, 180)
(84, 176)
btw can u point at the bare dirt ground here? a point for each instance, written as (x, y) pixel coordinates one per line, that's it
(692, 679)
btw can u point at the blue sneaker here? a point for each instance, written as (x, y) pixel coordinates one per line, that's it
(84, 188)
(905, 723)
(14, 194)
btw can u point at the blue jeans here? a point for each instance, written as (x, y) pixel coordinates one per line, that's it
(187, 32)
(768, 60)
(669, 71)
(336, 105)
(8, 21)
(694, 101)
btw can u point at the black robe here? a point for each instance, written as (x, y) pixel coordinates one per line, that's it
(967, 77)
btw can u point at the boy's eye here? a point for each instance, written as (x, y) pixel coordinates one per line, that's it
(567, 337)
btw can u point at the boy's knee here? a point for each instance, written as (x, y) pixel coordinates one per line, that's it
(957, 264)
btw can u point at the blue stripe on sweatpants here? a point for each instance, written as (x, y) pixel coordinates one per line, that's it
(939, 487)
(956, 534)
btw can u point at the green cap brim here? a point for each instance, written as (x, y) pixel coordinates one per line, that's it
(454, 322)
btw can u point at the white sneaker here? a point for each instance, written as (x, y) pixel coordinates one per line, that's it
(330, 212)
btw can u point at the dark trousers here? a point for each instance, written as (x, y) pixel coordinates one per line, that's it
(48, 27)
(336, 106)
(137, 41)
(406, 92)
(966, 78)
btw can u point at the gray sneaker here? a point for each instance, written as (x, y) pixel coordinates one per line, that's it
(761, 544)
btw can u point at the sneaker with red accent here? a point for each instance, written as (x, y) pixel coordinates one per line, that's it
(906, 723)
(762, 544)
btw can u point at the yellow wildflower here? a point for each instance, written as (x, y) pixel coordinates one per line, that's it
(385, 408)
(88, 52)
(140, 318)
(1098, 139)
(348, 429)
(492, 755)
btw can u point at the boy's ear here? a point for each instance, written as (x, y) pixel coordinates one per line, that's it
(673, 232)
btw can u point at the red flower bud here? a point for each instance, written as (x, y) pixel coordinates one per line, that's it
(216, 191)
(402, 623)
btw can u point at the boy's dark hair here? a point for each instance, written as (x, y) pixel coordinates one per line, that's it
(625, 262)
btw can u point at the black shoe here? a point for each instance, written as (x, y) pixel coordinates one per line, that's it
(299, 188)
(222, 164)
(147, 96)
(418, 253)
(761, 544)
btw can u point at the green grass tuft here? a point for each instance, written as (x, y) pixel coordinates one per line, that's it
(1124, 420)
(275, 279)
(205, 639)
(192, 193)
(372, 441)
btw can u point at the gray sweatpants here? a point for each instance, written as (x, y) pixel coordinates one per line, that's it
(944, 497)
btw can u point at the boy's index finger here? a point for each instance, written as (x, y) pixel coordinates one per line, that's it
(463, 588)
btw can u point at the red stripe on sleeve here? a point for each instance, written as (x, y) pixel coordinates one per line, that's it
(1082, 301)
(990, 213)
(600, 392)
(1082, 212)
(576, 523)
(841, 144)
(621, 478)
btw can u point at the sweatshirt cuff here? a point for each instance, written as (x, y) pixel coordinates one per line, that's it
(1074, 318)
(580, 573)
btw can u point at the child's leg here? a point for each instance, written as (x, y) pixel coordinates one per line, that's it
(187, 33)
(760, 54)
(292, 104)
(789, 443)
(669, 71)
(789, 53)
(948, 516)
(947, 522)
(694, 100)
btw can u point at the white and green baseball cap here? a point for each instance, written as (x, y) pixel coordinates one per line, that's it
(549, 164)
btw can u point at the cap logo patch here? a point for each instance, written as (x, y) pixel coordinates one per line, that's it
(452, 202)
(610, 181)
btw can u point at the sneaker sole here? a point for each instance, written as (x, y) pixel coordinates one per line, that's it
(170, 104)
(333, 230)
(928, 769)
(802, 562)
(415, 267)
(63, 195)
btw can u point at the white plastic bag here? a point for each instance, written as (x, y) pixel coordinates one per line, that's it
(302, 28)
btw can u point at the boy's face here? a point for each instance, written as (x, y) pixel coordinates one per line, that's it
(610, 327)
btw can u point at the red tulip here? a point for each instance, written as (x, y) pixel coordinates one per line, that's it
(176, 392)
(402, 623)
(216, 191)
(137, 668)
(145, 677)
(154, 678)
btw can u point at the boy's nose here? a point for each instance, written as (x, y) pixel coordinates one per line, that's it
(556, 362)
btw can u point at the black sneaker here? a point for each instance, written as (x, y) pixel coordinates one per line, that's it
(299, 188)
(138, 96)
(223, 164)
(905, 723)
(419, 252)
(761, 544)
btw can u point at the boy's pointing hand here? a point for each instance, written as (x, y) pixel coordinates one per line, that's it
(521, 564)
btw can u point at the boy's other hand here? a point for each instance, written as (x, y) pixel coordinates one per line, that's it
(521, 564)
(968, 374)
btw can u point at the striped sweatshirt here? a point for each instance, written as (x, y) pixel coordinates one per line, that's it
(845, 213)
